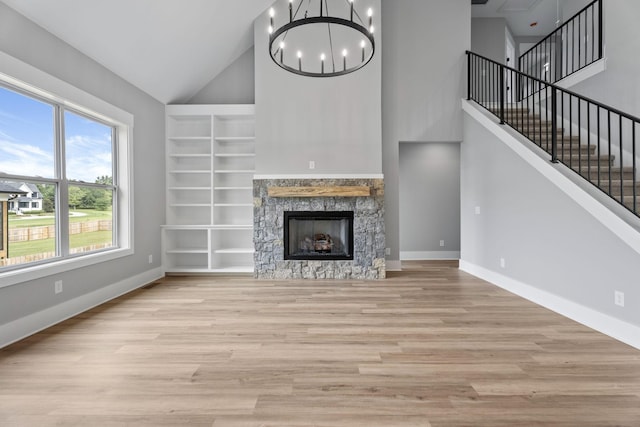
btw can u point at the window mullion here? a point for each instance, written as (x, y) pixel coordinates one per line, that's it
(63, 186)
(114, 192)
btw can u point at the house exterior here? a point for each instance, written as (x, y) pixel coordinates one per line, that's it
(8, 193)
(517, 230)
(30, 199)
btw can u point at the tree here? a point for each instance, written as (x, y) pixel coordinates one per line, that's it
(75, 196)
(48, 197)
(108, 180)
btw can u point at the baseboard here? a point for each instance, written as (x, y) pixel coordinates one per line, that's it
(428, 255)
(393, 265)
(36, 322)
(608, 325)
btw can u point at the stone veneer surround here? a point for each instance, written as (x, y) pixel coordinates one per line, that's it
(368, 228)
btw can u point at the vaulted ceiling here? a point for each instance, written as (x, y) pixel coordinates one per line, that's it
(168, 48)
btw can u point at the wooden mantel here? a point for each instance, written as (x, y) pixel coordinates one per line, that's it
(324, 191)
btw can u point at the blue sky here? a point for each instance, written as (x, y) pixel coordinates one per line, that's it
(27, 140)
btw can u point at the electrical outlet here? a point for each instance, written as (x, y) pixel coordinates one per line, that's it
(477, 210)
(618, 298)
(441, 243)
(150, 259)
(503, 263)
(57, 286)
(312, 164)
(387, 251)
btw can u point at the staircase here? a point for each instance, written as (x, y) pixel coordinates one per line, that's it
(582, 158)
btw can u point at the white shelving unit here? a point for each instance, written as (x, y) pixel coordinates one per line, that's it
(210, 166)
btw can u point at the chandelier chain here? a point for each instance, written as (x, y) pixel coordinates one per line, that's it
(333, 61)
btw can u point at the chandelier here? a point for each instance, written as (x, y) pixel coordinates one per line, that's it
(315, 41)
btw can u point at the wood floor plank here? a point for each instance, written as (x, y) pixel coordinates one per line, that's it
(430, 346)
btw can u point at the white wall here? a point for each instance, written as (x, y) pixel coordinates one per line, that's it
(336, 122)
(423, 80)
(234, 85)
(488, 37)
(548, 241)
(29, 43)
(429, 200)
(618, 85)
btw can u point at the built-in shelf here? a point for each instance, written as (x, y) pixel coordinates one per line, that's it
(187, 251)
(190, 138)
(210, 166)
(235, 171)
(235, 251)
(187, 156)
(235, 138)
(231, 155)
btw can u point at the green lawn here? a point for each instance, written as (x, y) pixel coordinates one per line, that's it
(17, 249)
(24, 221)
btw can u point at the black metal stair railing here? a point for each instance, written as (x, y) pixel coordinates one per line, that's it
(575, 44)
(594, 140)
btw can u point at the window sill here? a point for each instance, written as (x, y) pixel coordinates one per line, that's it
(39, 271)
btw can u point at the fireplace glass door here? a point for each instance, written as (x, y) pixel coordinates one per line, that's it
(318, 235)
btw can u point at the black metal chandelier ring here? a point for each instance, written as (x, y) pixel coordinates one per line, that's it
(320, 20)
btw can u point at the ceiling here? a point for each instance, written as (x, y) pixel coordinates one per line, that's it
(521, 13)
(172, 48)
(168, 48)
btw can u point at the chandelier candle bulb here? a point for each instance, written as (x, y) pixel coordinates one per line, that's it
(281, 51)
(300, 60)
(272, 13)
(362, 45)
(322, 57)
(370, 15)
(344, 58)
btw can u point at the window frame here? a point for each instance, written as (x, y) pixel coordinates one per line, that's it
(26, 79)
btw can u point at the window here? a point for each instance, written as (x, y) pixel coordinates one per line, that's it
(43, 139)
(69, 165)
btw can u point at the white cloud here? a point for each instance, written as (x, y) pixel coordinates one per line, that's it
(25, 159)
(88, 158)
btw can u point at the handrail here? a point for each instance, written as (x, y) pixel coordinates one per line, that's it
(545, 112)
(553, 85)
(565, 23)
(560, 51)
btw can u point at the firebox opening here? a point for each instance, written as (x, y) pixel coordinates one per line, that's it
(320, 235)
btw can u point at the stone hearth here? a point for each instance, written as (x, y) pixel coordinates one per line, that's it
(369, 234)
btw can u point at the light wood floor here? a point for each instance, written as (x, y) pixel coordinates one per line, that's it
(430, 346)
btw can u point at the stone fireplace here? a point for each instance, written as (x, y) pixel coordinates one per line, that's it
(335, 228)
